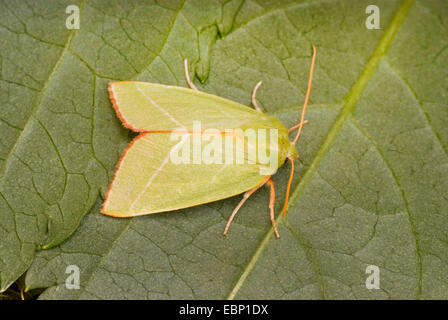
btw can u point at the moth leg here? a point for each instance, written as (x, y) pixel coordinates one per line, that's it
(271, 206)
(245, 197)
(298, 125)
(254, 93)
(187, 76)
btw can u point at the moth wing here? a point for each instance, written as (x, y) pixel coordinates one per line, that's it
(144, 106)
(148, 181)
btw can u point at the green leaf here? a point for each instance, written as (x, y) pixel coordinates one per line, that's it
(370, 188)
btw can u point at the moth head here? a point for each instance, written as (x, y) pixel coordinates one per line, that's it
(292, 152)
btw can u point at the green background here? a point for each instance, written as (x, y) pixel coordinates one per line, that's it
(370, 188)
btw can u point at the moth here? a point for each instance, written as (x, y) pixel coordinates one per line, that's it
(168, 166)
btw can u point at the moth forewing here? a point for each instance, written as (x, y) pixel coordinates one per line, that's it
(147, 180)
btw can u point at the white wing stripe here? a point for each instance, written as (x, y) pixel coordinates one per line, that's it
(160, 108)
(165, 161)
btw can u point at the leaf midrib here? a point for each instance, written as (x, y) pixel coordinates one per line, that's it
(350, 102)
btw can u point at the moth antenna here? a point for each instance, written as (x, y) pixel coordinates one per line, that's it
(289, 186)
(296, 126)
(308, 90)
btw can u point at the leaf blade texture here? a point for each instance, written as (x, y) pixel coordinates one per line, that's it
(370, 188)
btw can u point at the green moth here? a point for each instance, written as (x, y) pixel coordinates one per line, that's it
(195, 148)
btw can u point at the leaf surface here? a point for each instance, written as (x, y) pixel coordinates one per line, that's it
(370, 188)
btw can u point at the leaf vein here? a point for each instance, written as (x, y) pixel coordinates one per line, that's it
(350, 103)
